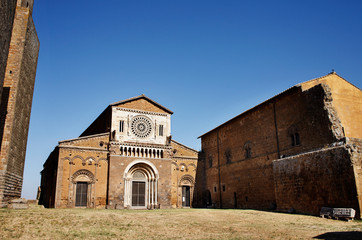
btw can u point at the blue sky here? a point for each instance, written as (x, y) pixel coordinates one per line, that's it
(207, 61)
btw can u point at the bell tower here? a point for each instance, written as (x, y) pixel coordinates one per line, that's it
(16, 100)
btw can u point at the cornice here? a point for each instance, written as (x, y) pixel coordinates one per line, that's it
(141, 111)
(84, 148)
(143, 145)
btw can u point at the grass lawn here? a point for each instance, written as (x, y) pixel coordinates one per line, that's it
(40, 223)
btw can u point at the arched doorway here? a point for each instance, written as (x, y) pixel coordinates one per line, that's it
(187, 186)
(140, 189)
(83, 181)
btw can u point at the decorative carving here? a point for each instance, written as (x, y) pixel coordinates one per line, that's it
(141, 126)
(187, 180)
(83, 175)
(140, 111)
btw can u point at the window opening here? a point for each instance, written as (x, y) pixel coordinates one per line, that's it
(121, 126)
(160, 130)
(210, 161)
(247, 148)
(228, 156)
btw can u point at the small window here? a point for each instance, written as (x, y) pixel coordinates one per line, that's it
(160, 130)
(228, 156)
(210, 161)
(295, 139)
(294, 135)
(215, 189)
(223, 188)
(121, 126)
(247, 148)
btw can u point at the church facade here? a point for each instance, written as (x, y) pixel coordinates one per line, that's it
(298, 151)
(124, 159)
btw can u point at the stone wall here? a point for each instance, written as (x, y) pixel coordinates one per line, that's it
(310, 181)
(7, 12)
(48, 182)
(183, 172)
(16, 101)
(237, 155)
(87, 154)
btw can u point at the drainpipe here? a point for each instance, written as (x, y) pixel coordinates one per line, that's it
(276, 129)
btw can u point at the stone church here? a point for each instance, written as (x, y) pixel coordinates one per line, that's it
(297, 151)
(124, 159)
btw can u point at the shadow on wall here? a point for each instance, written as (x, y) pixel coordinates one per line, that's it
(340, 235)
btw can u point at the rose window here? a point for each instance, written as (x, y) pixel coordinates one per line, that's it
(141, 126)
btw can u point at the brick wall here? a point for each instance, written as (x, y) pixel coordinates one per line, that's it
(16, 102)
(7, 12)
(235, 168)
(310, 181)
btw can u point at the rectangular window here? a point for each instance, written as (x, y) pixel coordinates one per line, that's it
(215, 189)
(121, 126)
(160, 130)
(223, 188)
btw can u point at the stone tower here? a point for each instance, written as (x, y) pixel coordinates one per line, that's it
(17, 94)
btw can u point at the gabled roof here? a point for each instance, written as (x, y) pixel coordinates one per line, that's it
(272, 98)
(142, 97)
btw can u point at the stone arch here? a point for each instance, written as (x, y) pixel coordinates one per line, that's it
(141, 162)
(101, 159)
(187, 180)
(191, 165)
(186, 188)
(90, 159)
(85, 180)
(83, 175)
(78, 157)
(146, 187)
(66, 158)
(175, 164)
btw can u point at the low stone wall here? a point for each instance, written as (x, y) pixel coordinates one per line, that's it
(307, 182)
(20, 203)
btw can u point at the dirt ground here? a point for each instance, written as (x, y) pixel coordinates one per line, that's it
(40, 223)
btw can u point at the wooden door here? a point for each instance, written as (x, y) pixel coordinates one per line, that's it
(81, 194)
(186, 196)
(138, 193)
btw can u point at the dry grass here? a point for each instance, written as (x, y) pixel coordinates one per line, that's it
(39, 223)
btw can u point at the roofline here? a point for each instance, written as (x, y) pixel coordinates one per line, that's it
(183, 145)
(270, 99)
(250, 109)
(145, 97)
(331, 73)
(84, 137)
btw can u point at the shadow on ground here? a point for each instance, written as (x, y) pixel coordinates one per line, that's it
(340, 235)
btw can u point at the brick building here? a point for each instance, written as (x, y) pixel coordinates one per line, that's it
(299, 150)
(124, 159)
(18, 62)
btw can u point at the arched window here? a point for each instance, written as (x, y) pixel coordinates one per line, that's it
(228, 156)
(210, 161)
(247, 148)
(294, 135)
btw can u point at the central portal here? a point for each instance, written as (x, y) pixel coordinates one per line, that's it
(138, 194)
(141, 180)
